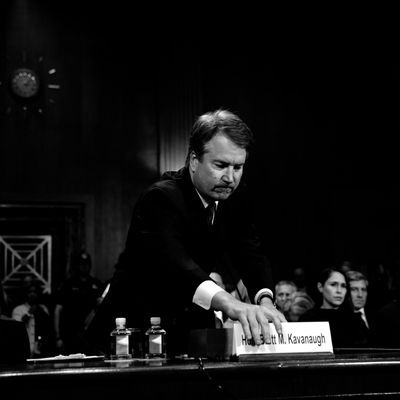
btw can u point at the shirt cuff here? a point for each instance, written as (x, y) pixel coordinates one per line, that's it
(204, 294)
(261, 293)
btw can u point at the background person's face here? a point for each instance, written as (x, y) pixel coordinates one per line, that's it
(282, 297)
(33, 295)
(333, 291)
(220, 170)
(358, 294)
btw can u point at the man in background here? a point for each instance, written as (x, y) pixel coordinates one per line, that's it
(358, 288)
(75, 299)
(284, 290)
(37, 319)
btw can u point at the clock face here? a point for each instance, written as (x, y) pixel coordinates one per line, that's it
(27, 84)
(24, 83)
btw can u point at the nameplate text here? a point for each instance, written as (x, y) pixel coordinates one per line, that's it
(297, 337)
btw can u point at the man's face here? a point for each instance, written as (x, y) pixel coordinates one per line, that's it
(283, 296)
(358, 293)
(33, 295)
(219, 171)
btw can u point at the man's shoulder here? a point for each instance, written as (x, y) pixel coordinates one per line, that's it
(170, 183)
(170, 179)
(21, 307)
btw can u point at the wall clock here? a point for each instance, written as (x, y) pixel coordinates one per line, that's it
(27, 84)
(24, 83)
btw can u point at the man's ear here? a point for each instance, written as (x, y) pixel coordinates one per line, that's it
(193, 161)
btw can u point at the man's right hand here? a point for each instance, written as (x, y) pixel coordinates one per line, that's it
(253, 318)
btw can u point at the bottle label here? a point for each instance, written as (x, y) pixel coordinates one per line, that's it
(122, 344)
(155, 344)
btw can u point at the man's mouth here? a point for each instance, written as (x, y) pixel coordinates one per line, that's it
(223, 189)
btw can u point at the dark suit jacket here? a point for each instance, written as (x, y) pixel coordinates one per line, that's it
(360, 332)
(170, 251)
(340, 323)
(347, 327)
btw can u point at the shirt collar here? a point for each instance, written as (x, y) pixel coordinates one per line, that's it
(205, 204)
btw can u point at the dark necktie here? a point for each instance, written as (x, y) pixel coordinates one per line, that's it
(363, 318)
(211, 213)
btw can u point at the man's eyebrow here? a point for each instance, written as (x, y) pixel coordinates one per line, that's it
(228, 162)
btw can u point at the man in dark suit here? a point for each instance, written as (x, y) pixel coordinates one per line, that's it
(358, 287)
(174, 244)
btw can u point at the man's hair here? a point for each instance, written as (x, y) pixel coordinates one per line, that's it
(285, 282)
(356, 276)
(220, 121)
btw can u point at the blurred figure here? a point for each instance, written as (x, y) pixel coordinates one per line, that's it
(37, 320)
(386, 329)
(380, 283)
(5, 303)
(75, 299)
(283, 293)
(300, 303)
(332, 285)
(14, 341)
(300, 279)
(346, 266)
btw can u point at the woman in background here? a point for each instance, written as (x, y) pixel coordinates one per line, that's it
(332, 285)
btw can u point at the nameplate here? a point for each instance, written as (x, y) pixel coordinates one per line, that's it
(297, 338)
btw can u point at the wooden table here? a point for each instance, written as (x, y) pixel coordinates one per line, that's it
(349, 374)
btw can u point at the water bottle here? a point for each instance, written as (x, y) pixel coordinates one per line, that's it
(156, 345)
(120, 336)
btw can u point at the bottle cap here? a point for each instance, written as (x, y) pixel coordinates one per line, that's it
(120, 322)
(155, 320)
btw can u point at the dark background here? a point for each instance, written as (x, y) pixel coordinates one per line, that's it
(321, 98)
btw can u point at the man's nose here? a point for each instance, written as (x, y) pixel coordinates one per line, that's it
(228, 175)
